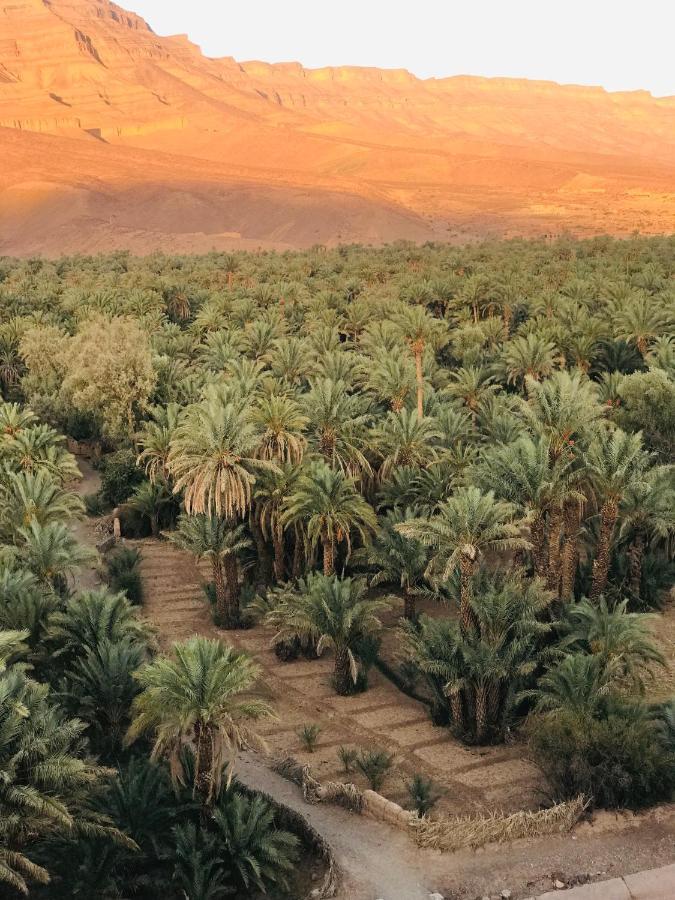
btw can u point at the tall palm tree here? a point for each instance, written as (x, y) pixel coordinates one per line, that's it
(337, 425)
(272, 493)
(331, 509)
(212, 459)
(331, 612)
(466, 526)
(212, 538)
(390, 377)
(420, 331)
(35, 497)
(618, 464)
(473, 385)
(199, 699)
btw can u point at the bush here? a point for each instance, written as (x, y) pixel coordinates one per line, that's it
(375, 764)
(119, 477)
(124, 573)
(94, 505)
(619, 760)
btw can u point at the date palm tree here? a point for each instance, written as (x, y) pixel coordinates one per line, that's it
(399, 560)
(212, 459)
(529, 356)
(51, 552)
(329, 507)
(200, 699)
(390, 377)
(272, 492)
(155, 441)
(215, 539)
(282, 425)
(35, 497)
(330, 612)
(641, 319)
(337, 425)
(421, 330)
(404, 439)
(618, 465)
(464, 528)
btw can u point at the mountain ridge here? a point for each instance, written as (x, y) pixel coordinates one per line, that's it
(448, 158)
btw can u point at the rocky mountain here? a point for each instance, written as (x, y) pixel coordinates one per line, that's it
(111, 136)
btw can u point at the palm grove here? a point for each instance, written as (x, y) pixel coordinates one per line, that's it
(473, 444)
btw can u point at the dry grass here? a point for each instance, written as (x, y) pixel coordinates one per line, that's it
(449, 834)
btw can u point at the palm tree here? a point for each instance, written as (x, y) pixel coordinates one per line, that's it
(328, 505)
(473, 385)
(399, 560)
(337, 424)
(529, 356)
(155, 441)
(390, 377)
(200, 699)
(641, 319)
(465, 526)
(561, 409)
(148, 500)
(51, 552)
(35, 497)
(617, 464)
(481, 670)
(420, 331)
(272, 493)
(208, 537)
(331, 612)
(212, 459)
(404, 439)
(623, 641)
(258, 853)
(282, 425)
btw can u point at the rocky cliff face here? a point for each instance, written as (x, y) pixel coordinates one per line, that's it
(352, 154)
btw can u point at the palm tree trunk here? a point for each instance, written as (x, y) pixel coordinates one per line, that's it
(296, 568)
(554, 534)
(342, 672)
(420, 383)
(221, 591)
(457, 707)
(538, 537)
(481, 713)
(609, 514)
(467, 569)
(569, 551)
(232, 618)
(409, 605)
(279, 553)
(635, 555)
(328, 556)
(204, 763)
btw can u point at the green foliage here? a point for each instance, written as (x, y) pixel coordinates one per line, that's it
(120, 477)
(423, 794)
(124, 575)
(375, 765)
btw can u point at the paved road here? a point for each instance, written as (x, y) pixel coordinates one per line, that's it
(656, 884)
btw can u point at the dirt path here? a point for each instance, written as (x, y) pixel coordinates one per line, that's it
(83, 529)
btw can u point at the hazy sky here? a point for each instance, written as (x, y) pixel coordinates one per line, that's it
(620, 44)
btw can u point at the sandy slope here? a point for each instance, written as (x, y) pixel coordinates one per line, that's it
(111, 136)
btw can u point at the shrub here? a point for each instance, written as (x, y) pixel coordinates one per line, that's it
(348, 757)
(423, 794)
(124, 573)
(375, 764)
(119, 477)
(618, 760)
(94, 505)
(309, 736)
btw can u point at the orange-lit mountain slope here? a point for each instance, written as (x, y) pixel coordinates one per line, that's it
(111, 136)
